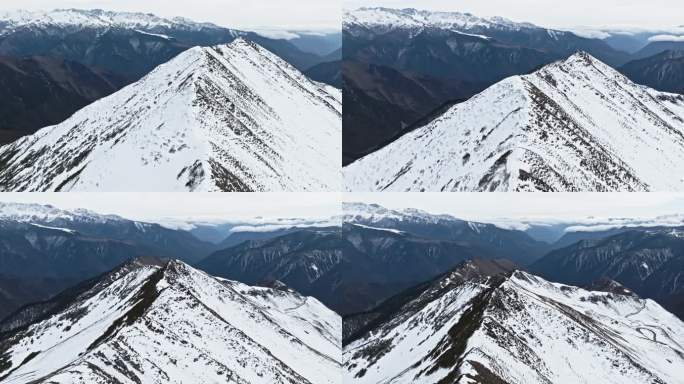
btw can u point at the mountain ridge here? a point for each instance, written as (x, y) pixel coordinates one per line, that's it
(118, 330)
(545, 132)
(255, 144)
(514, 329)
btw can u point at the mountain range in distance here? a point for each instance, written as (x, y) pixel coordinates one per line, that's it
(663, 71)
(648, 261)
(46, 249)
(404, 68)
(117, 48)
(350, 267)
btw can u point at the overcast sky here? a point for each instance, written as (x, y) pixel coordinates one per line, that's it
(555, 206)
(251, 14)
(196, 206)
(552, 13)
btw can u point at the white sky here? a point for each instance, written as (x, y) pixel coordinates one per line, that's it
(195, 206)
(250, 14)
(654, 14)
(555, 206)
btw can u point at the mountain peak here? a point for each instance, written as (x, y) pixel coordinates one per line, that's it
(227, 118)
(520, 329)
(133, 314)
(581, 56)
(572, 125)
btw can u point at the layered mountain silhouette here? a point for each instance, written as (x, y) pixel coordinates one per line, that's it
(44, 250)
(39, 91)
(648, 261)
(663, 71)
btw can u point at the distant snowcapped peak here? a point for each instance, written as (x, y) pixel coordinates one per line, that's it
(46, 213)
(389, 18)
(375, 213)
(94, 18)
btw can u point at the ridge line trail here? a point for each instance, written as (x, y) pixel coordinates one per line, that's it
(643, 306)
(306, 299)
(665, 334)
(653, 334)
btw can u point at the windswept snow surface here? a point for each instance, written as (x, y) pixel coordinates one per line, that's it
(574, 125)
(520, 329)
(165, 322)
(226, 118)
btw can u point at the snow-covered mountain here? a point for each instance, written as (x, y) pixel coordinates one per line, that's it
(648, 261)
(467, 327)
(304, 259)
(33, 236)
(10, 21)
(46, 213)
(354, 212)
(226, 118)
(404, 67)
(165, 322)
(387, 19)
(490, 239)
(125, 43)
(574, 125)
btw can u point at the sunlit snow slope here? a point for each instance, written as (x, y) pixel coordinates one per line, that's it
(165, 322)
(574, 125)
(227, 118)
(519, 329)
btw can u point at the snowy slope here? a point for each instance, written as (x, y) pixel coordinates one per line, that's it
(520, 329)
(226, 118)
(166, 322)
(574, 125)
